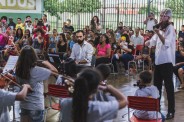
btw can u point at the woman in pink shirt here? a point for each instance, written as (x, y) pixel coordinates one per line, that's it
(103, 50)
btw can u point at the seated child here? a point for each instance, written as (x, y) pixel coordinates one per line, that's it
(105, 71)
(145, 55)
(147, 90)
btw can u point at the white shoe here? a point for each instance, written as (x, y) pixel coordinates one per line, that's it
(116, 55)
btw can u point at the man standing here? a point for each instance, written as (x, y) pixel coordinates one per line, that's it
(150, 21)
(165, 58)
(68, 27)
(11, 23)
(82, 51)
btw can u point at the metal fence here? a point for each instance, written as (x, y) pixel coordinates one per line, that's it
(110, 12)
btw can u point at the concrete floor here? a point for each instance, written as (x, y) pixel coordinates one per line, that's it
(125, 84)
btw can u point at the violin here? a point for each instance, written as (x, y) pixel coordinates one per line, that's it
(7, 79)
(162, 25)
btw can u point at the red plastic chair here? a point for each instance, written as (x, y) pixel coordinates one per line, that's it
(56, 91)
(145, 104)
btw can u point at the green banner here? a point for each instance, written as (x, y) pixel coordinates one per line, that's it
(18, 4)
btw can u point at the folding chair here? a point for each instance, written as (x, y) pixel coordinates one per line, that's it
(110, 63)
(138, 48)
(145, 104)
(56, 91)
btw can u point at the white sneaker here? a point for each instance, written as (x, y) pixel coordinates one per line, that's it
(126, 73)
(116, 55)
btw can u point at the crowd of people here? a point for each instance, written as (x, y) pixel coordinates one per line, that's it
(89, 48)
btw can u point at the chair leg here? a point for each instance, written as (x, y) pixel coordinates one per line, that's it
(45, 114)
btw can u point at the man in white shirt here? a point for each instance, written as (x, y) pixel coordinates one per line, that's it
(150, 21)
(164, 39)
(82, 51)
(137, 39)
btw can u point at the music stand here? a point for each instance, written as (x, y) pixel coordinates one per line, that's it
(55, 60)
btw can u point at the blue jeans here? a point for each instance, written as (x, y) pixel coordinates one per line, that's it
(125, 58)
(33, 115)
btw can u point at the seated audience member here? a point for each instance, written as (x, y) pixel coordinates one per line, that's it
(19, 35)
(126, 54)
(62, 46)
(146, 90)
(3, 40)
(180, 74)
(137, 39)
(177, 69)
(181, 33)
(81, 107)
(38, 42)
(53, 40)
(103, 50)
(145, 56)
(10, 48)
(26, 39)
(8, 99)
(82, 51)
(32, 109)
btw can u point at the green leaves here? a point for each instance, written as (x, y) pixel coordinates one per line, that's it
(177, 7)
(54, 7)
(143, 10)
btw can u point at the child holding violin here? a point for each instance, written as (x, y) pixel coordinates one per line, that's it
(32, 109)
(146, 90)
(8, 98)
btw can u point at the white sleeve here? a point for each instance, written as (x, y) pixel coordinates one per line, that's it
(7, 98)
(104, 110)
(169, 36)
(89, 54)
(73, 53)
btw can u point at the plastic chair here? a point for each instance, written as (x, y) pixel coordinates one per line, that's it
(138, 48)
(110, 63)
(145, 104)
(56, 91)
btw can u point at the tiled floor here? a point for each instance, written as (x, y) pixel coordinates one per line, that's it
(125, 85)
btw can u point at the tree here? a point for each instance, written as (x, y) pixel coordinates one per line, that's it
(72, 6)
(177, 7)
(143, 10)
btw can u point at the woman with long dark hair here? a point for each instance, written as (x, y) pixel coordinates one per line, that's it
(19, 35)
(103, 50)
(81, 107)
(95, 24)
(32, 109)
(62, 46)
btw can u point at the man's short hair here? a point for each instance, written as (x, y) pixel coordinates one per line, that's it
(145, 76)
(80, 31)
(19, 18)
(104, 70)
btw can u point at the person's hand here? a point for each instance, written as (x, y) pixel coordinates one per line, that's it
(156, 30)
(102, 87)
(28, 87)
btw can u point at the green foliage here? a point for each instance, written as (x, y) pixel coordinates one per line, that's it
(177, 7)
(54, 7)
(144, 10)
